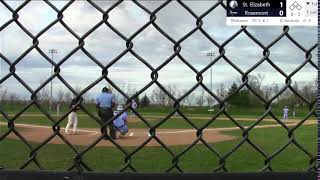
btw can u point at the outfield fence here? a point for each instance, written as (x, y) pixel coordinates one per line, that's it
(79, 164)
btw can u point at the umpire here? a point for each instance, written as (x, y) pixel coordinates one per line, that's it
(104, 103)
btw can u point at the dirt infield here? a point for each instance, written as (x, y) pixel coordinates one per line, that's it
(135, 137)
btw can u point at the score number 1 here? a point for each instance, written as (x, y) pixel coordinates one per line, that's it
(281, 11)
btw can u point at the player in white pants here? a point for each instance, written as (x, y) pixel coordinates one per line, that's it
(72, 121)
(285, 114)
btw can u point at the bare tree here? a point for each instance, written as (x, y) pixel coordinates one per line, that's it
(129, 89)
(85, 96)
(187, 100)
(210, 100)
(119, 98)
(13, 97)
(68, 96)
(60, 95)
(3, 93)
(294, 99)
(309, 92)
(255, 82)
(221, 91)
(200, 99)
(153, 98)
(158, 96)
(275, 90)
(172, 89)
(267, 92)
(44, 95)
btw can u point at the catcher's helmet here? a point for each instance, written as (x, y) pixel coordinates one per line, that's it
(124, 130)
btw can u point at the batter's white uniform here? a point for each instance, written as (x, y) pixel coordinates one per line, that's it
(134, 104)
(72, 121)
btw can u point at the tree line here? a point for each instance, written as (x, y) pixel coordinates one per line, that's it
(199, 97)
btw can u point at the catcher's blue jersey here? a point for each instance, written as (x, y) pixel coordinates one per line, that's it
(120, 121)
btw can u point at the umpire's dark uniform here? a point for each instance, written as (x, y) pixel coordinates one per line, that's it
(104, 103)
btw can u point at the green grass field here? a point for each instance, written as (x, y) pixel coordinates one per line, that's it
(198, 159)
(155, 159)
(237, 111)
(172, 123)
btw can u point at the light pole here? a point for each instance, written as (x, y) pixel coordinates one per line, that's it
(211, 55)
(52, 51)
(2, 51)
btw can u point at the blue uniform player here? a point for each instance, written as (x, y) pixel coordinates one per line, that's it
(120, 123)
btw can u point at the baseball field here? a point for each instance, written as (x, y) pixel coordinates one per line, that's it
(223, 135)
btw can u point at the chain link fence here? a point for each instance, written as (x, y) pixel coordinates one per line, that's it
(79, 164)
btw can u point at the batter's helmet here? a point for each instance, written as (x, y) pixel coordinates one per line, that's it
(119, 108)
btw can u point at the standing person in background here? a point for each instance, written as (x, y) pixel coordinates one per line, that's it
(104, 103)
(285, 114)
(134, 106)
(293, 114)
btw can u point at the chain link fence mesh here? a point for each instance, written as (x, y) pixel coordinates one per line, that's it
(79, 164)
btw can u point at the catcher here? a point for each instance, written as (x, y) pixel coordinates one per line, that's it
(120, 124)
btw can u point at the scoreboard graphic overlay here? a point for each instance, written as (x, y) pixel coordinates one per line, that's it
(271, 12)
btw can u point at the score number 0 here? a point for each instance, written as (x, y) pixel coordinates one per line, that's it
(281, 11)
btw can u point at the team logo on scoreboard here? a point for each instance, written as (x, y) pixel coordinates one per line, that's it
(233, 4)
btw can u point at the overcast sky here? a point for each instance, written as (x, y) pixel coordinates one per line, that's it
(151, 45)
